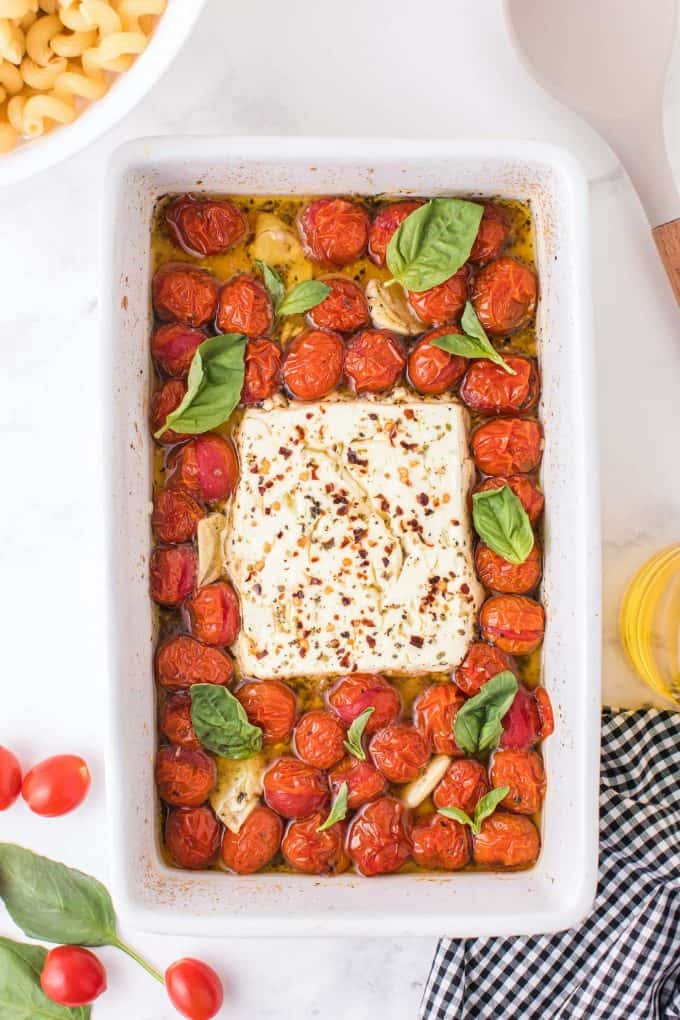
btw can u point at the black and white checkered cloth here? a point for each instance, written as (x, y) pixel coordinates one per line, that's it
(623, 962)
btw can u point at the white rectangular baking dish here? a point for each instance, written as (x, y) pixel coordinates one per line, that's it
(559, 890)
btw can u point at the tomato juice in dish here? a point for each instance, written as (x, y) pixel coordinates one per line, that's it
(326, 608)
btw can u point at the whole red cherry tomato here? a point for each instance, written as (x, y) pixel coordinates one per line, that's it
(513, 622)
(506, 446)
(434, 714)
(378, 840)
(173, 347)
(384, 226)
(504, 296)
(57, 785)
(479, 665)
(508, 578)
(364, 781)
(374, 360)
(319, 739)
(313, 364)
(294, 789)
(244, 307)
(194, 989)
(334, 230)
(271, 705)
(523, 773)
(172, 572)
(492, 235)
(206, 466)
(206, 226)
(351, 695)
(464, 784)
(523, 486)
(192, 836)
(315, 853)
(262, 370)
(521, 723)
(184, 661)
(506, 841)
(400, 752)
(488, 389)
(344, 309)
(175, 720)
(184, 777)
(443, 303)
(72, 976)
(255, 843)
(215, 614)
(432, 370)
(184, 293)
(440, 842)
(164, 400)
(10, 778)
(175, 515)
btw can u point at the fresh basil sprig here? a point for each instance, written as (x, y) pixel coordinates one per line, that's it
(477, 727)
(472, 342)
(483, 809)
(21, 997)
(356, 732)
(433, 242)
(503, 523)
(338, 809)
(273, 282)
(221, 724)
(213, 387)
(301, 298)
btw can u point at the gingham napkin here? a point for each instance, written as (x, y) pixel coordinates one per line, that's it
(623, 962)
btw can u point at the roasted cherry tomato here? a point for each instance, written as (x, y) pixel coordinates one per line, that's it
(294, 789)
(184, 661)
(443, 303)
(504, 296)
(479, 665)
(206, 226)
(523, 772)
(378, 840)
(506, 841)
(344, 309)
(384, 226)
(432, 370)
(175, 515)
(500, 575)
(192, 836)
(194, 989)
(364, 782)
(270, 705)
(374, 360)
(184, 777)
(313, 364)
(334, 230)
(255, 843)
(163, 401)
(184, 293)
(506, 446)
(173, 573)
(440, 842)
(545, 712)
(175, 720)
(57, 785)
(244, 307)
(492, 235)
(400, 752)
(319, 739)
(488, 389)
(207, 467)
(72, 976)
(521, 723)
(463, 786)
(10, 778)
(434, 714)
(215, 614)
(262, 370)
(513, 622)
(173, 347)
(351, 695)
(523, 486)
(315, 853)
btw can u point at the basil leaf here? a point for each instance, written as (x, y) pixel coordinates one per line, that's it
(433, 242)
(503, 523)
(472, 342)
(485, 806)
(477, 727)
(273, 283)
(21, 997)
(338, 810)
(457, 814)
(356, 732)
(221, 723)
(304, 296)
(213, 387)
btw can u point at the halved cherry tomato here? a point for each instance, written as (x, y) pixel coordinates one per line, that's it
(206, 226)
(384, 226)
(545, 712)
(57, 785)
(344, 309)
(434, 714)
(262, 370)
(313, 364)
(364, 781)
(492, 235)
(506, 841)
(175, 515)
(506, 446)
(318, 739)
(194, 989)
(523, 486)
(374, 360)
(440, 842)
(464, 784)
(312, 852)
(173, 347)
(271, 705)
(479, 665)
(244, 307)
(163, 401)
(523, 773)
(351, 695)
(184, 661)
(175, 720)
(294, 789)
(72, 976)
(489, 389)
(10, 778)
(508, 578)
(172, 570)
(184, 777)
(207, 466)
(400, 752)
(513, 622)
(378, 840)
(334, 230)
(521, 723)
(432, 370)
(184, 293)
(215, 614)
(255, 843)
(504, 296)
(192, 836)
(443, 303)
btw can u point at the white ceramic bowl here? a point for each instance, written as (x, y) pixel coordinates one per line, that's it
(126, 90)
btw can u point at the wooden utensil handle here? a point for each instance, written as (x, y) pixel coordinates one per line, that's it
(667, 238)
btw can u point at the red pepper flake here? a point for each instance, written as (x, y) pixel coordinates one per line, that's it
(423, 498)
(416, 641)
(300, 431)
(315, 580)
(261, 655)
(346, 601)
(285, 452)
(345, 661)
(408, 413)
(370, 641)
(465, 588)
(354, 459)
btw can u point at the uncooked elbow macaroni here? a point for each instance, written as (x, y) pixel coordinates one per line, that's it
(56, 54)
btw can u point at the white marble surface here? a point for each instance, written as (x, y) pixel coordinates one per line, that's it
(306, 66)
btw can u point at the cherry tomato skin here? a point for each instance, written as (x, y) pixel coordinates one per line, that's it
(513, 622)
(492, 235)
(344, 309)
(440, 843)
(215, 614)
(194, 989)
(262, 371)
(10, 778)
(504, 296)
(175, 515)
(434, 714)
(313, 364)
(432, 370)
(294, 789)
(164, 400)
(351, 695)
(256, 842)
(488, 389)
(374, 360)
(378, 841)
(173, 347)
(175, 720)
(184, 293)
(206, 226)
(524, 487)
(173, 573)
(502, 576)
(545, 712)
(364, 781)
(384, 226)
(57, 785)
(192, 837)
(506, 840)
(479, 665)
(184, 777)
(400, 752)
(506, 446)
(312, 852)
(521, 723)
(319, 739)
(244, 307)
(464, 784)
(207, 467)
(443, 303)
(184, 661)
(271, 705)
(523, 772)
(72, 976)
(334, 230)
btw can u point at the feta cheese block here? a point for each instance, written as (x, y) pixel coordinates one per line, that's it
(349, 539)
